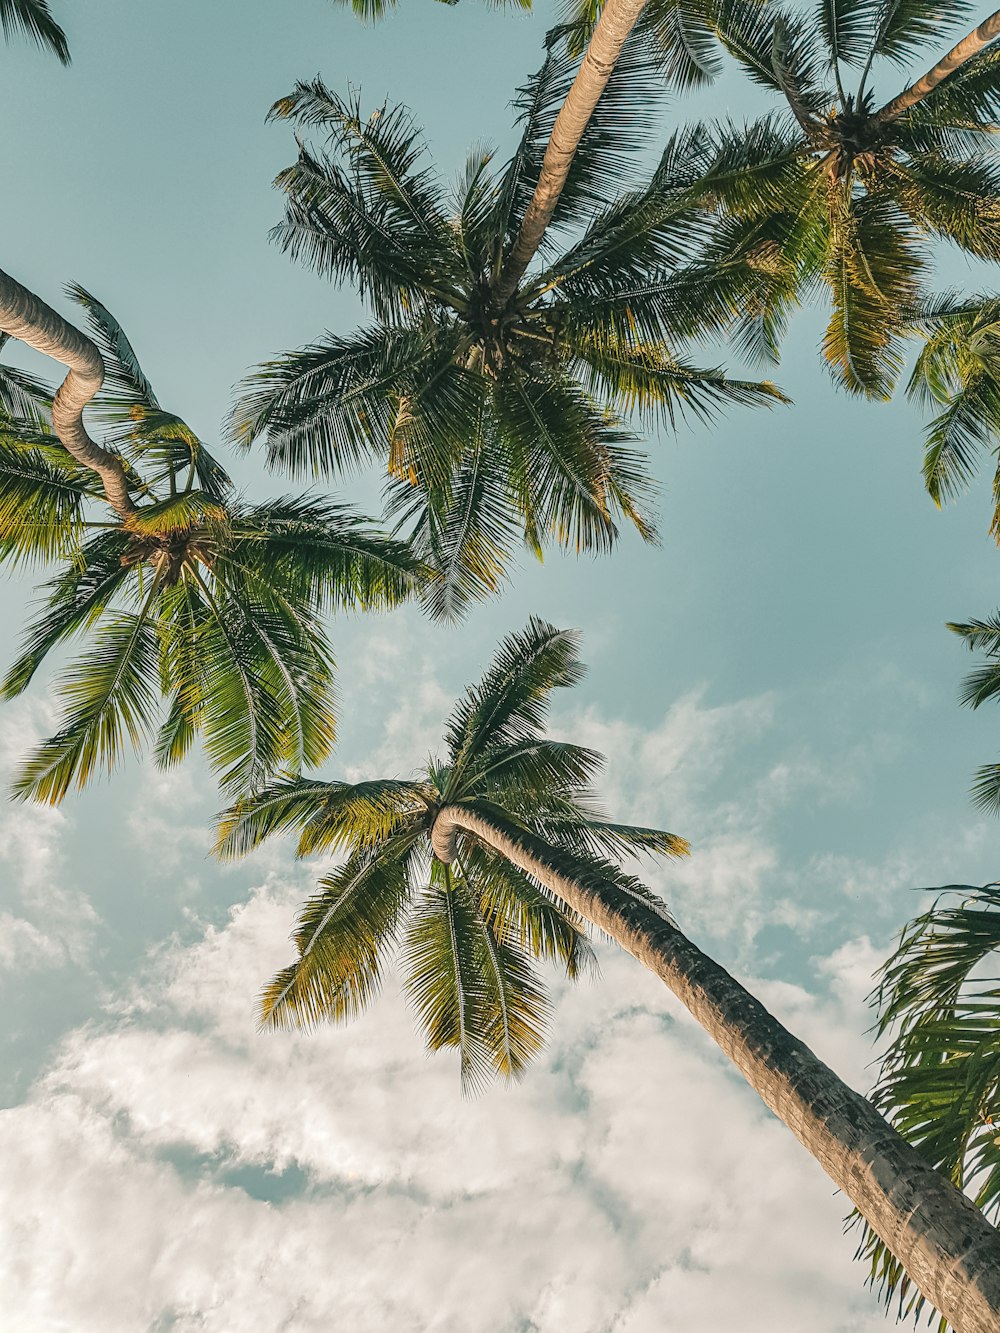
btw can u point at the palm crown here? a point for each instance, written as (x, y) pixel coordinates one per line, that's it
(467, 932)
(839, 191)
(193, 595)
(498, 412)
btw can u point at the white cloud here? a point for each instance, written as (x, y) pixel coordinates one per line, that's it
(632, 1182)
(43, 921)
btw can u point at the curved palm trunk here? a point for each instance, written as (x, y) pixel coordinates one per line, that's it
(943, 1241)
(617, 20)
(968, 47)
(24, 316)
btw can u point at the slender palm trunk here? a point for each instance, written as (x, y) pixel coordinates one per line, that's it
(944, 1242)
(24, 316)
(968, 47)
(617, 20)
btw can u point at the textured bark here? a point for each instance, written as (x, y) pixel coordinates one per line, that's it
(958, 55)
(944, 1242)
(24, 316)
(617, 20)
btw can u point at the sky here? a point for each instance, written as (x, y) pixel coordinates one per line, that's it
(774, 682)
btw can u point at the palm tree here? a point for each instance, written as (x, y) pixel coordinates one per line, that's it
(495, 854)
(496, 411)
(33, 18)
(184, 590)
(940, 1080)
(838, 190)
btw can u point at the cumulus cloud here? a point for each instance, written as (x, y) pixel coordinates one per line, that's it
(44, 921)
(632, 1182)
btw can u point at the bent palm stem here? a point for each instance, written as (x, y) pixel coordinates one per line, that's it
(945, 1244)
(24, 316)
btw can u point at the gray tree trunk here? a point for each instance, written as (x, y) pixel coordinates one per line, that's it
(958, 55)
(944, 1242)
(24, 316)
(618, 18)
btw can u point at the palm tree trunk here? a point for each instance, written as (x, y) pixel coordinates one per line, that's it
(24, 316)
(618, 18)
(944, 1242)
(968, 47)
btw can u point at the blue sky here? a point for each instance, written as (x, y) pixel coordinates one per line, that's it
(774, 681)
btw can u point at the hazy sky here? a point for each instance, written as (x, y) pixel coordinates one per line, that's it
(775, 682)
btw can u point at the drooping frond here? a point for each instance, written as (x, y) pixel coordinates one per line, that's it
(109, 698)
(444, 975)
(343, 934)
(871, 272)
(34, 19)
(940, 1079)
(75, 600)
(41, 503)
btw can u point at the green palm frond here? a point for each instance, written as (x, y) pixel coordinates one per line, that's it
(342, 935)
(978, 687)
(905, 28)
(847, 27)
(958, 370)
(512, 901)
(77, 598)
(109, 697)
(450, 980)
(956, 199)
(463, 530)
(23, 397)
(872, 274)
(327, 409)
(510, 703)
(938, 999)
(321, 553)
(41, 504)
(34, 20)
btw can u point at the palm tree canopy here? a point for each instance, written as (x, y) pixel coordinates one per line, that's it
(498, 417)
(466, 934)
(833, 189)
(938, 997)
(33, 19)
(195, 597)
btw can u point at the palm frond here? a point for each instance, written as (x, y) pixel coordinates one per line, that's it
(76, 598)
(510, 702)
(444, 977)
(905, 28)
(41, 504)
(109, 697)
(343, 934)
(33, 19)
